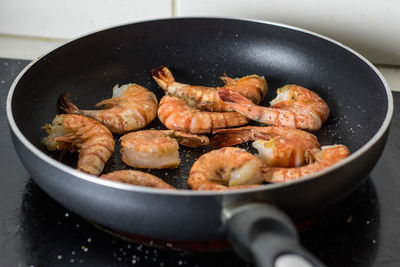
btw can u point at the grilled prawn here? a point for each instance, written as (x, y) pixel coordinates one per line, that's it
(157, 149)
(294, 106)
(235, 168)
(276, 145)
(91, 139)
(132, 107)
(319, 160)
(136, 178)
(253, 87)
(175, 113)
(226, 168)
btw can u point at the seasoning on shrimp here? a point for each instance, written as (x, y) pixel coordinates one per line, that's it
(319, 160)
(226, 168)
(137, 178)
(91, 139)
(294, 106)
(235, 168)
(132, 107)
(253, 87)
(175, 113)
(276, 145)
(157, 149)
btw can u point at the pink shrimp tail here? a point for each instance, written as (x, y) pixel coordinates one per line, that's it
(66, 105)
(163, 76)
(230, 96)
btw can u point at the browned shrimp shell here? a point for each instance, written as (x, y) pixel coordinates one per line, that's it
(176, 114)
(132, 107)
(321, 159)
(226, 168)
(276, 145)
(157, 149)
(294, 106)
(253, 87)
(136, 178)
(91, 139)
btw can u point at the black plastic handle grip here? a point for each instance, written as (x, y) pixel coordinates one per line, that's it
(263, 234)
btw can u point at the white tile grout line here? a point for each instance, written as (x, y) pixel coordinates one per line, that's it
(24, 47)
(174, 7)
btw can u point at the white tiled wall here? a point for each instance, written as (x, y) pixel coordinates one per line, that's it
(370, 27)
(72, 18)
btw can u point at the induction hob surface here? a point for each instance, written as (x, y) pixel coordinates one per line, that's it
(362, 230)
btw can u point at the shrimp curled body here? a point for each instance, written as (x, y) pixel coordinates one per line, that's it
(137, 178)
(321, 159)
(157, 149)
(91, 139)
(175, 113)
(253, 87)
(132, 107)
(276, 145)
(226, 168)
(294, 106)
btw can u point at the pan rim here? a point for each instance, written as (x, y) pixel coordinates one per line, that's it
(186, 192)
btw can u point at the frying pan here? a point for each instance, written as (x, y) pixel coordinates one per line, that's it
(198, 51)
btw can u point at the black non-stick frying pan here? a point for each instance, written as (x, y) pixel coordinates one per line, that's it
(198, 51)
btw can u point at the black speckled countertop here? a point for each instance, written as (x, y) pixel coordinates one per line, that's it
(363, 230)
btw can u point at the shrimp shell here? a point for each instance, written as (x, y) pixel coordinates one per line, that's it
(224, 169)
(253, 87)
(91, 139)
(320, 159)
(277, 146)
(131, 108)
(157, 149)
(176, 114)
(137, 178)
(295, 107)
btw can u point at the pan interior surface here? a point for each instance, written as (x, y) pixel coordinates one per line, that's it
(198, 51)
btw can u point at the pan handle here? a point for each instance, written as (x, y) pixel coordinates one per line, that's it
(261, 233)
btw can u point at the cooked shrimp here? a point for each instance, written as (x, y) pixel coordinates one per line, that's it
(320, 159)
(157, 149)
(91, 139)
(253, 87)
(277, 146)
(226, 168)
(137, 178)
(132, 107)
(294, 106)
(176, 114)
